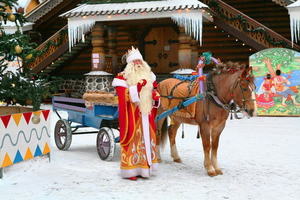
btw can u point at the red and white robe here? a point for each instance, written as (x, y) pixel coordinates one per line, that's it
(137, 131)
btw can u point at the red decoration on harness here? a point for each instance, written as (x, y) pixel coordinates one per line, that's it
(202, 78)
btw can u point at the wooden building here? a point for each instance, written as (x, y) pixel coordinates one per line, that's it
(232, 30)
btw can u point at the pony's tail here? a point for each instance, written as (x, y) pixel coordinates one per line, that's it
(164, 133)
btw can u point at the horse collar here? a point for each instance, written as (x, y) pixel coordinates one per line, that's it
(211, 90)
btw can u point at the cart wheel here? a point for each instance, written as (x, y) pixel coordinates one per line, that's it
(63, 134)
(106, 145)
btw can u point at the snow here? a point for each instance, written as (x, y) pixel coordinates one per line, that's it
(23, 3)
(259, 158)
(183, 71)
(97, 73)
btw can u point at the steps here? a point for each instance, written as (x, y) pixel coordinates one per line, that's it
(265, 12)
(237, 45)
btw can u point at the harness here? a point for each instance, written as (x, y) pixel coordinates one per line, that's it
(211, 95)
(192, 81)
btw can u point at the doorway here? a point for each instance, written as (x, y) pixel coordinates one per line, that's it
(161, 50)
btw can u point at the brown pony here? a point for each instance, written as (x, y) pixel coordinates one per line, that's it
(234, 85)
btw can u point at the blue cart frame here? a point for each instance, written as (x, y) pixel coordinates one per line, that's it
(103, 117)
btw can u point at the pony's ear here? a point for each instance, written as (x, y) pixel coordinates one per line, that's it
(251, 70)
(245, 72)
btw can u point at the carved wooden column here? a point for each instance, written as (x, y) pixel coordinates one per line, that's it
(98, 54)
(184, 51)
(112, 44)
(194, 54)
(98, 79)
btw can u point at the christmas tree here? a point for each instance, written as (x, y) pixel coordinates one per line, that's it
(21, 85)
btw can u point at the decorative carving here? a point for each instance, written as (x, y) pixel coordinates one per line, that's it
(49, 47)
(36, 14)
(243, 23)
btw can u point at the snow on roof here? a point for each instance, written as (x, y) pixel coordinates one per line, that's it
(132, 7)
(188, 14)
(23, 3)
(10, 27)
(42, 9)
(296, 4)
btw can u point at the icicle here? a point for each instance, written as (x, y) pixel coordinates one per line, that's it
(292, 29)
(295, 29)
(77, 29)
(298, 28)
(192, 23)
(295, 25)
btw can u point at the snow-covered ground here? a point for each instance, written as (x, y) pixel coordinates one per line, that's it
(260, 159)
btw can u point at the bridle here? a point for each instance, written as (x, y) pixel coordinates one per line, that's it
(236, 84)
(231, 107)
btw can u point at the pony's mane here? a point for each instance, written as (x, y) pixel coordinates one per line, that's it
(233, 65)
(230, 67)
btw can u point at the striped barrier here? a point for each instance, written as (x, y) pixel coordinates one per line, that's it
(23, 136)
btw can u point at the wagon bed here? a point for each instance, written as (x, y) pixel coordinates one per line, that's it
(103, 116)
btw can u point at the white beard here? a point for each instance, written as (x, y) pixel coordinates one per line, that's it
(133, 75)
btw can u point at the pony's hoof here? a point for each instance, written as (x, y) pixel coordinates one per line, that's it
(178, 160)
(159, 160)
(212, 173)
(219, 172)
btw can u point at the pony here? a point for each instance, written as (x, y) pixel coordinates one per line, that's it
(234, 89)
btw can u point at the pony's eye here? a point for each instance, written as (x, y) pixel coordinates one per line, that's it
(244, 89)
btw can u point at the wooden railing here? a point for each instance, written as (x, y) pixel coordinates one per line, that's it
(50, 46)
(252, 28)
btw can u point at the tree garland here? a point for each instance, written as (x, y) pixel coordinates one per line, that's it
(216, 5)
(37, 53)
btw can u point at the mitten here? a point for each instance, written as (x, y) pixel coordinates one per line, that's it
(155, 96)
(141, 84)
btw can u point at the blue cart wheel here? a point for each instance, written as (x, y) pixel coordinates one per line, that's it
(106, 145)
(63, 134)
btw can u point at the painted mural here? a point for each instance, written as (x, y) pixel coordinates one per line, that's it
(277, 80)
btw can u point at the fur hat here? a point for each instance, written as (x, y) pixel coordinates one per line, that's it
(133, 54)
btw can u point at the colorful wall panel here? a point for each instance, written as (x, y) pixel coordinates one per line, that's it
(277, 80)
(24, 136)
